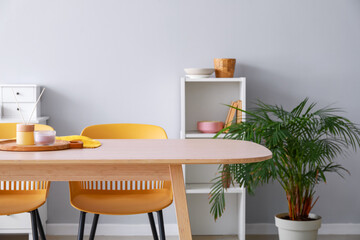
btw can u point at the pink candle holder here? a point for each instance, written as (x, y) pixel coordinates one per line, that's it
(210, 126)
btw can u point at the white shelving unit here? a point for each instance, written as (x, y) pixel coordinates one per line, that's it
(201, 100)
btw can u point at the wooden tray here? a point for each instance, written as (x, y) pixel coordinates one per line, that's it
(10, 145)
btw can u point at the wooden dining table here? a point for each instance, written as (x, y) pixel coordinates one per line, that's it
(131, 159)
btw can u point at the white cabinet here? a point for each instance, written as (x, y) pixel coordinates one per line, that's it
(9, 112)
(26, 95)
(21, 223)
(205, 100)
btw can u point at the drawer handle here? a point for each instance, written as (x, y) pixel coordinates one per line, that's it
(18, 109)
(17, 93)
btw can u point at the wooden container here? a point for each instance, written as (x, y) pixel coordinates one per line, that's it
(25, 134)
(224, 67)
(10, 145)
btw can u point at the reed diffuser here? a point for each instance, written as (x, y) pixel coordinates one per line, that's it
(25, 130)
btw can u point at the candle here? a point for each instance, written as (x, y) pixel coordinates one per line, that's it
(45, 137)
(25, 134)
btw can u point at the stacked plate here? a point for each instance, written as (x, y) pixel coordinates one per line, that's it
(199, 72)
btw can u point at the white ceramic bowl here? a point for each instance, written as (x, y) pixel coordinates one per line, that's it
(199, 71)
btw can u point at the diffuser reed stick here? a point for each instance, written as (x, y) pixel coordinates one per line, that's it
(37, 101)
(18, 106)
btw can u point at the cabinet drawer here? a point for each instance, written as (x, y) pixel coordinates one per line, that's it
(11, 110)
(23, 94)
(21, 223)
(21, 220)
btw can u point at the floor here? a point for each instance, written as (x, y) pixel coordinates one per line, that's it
(250, 237)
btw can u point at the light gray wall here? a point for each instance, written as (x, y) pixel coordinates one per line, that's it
(120, 61)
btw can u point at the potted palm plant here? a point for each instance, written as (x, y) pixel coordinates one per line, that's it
(305, 143)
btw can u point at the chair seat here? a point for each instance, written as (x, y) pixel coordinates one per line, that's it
(13, 202)
(122, 202)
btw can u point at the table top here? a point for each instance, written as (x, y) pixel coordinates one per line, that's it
(149, 151)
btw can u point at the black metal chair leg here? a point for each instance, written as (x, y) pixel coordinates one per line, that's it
(39, 225)
(34, 226)
(93, 227)
(153, 227)
(161, 225)
(81, 225)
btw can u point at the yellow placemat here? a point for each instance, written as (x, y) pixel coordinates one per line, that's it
(88, 142)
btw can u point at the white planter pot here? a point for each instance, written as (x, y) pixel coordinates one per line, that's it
(297, 230)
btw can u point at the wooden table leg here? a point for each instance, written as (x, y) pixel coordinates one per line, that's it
(182, 214)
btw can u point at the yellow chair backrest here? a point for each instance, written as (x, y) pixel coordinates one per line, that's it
(124, 131)
(8, 130)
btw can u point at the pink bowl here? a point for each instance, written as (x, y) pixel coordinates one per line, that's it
(209, 126)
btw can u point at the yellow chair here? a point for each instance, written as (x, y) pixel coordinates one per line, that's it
(8, 130)
(122, 197)
(23, 196)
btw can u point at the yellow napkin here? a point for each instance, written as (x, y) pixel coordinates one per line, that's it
(88, 142)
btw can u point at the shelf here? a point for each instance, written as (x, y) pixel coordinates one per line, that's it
(197, 134)
(17, 120)
(241, 79)
(204, 188)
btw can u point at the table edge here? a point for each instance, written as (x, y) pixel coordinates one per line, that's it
(138, 161)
